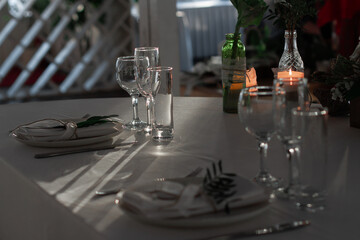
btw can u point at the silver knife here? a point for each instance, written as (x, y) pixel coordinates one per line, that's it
(79, 150)
(263, 231)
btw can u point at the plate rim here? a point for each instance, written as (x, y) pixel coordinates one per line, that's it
(216, 219)
(212, 219)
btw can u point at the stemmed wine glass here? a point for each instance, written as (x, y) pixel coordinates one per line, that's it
(256, 109)
(126, 68)
(296, 96)
(144, 82)
(148, 86)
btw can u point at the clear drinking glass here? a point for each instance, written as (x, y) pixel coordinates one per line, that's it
(151, 52)
(126, 68)
(145, 85)
(163, 127)
(295, 95)
(256, 109)
(310, 128)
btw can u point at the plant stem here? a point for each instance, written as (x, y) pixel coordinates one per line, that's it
(236, 38)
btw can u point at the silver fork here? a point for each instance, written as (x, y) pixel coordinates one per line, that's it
(105, 192)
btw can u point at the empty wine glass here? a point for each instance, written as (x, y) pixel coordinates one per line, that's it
(296, 96)
(256, 109)
(148, 86)
(145, 84)
(126, 68)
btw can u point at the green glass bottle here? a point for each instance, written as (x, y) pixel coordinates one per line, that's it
(233, 72)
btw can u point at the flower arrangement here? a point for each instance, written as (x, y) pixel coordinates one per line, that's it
(344, 77)
(250, 12)
(288, 14)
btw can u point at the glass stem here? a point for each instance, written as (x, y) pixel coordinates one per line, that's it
(148, 110)
(292, 153)
(135, 101)
(263, 147)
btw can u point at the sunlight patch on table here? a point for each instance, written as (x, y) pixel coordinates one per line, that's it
(90, 194)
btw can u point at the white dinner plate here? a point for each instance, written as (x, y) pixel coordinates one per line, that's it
(42, 133)
(205, 220)
(250, 207)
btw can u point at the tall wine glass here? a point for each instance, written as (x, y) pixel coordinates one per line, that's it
(126, 68)
(256, 109)
(145, 83)
(296, 96)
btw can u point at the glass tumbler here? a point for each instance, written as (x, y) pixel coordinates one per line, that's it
(310, 127)
(163, 127)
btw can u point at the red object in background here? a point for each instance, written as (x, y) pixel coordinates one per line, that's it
(14, 73)
(346, 13)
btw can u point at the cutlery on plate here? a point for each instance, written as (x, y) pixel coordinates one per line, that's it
(193, 173)
(263, 231)
(104, 192)
(79, 150)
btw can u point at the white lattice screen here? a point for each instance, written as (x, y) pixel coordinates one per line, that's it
(56, 47)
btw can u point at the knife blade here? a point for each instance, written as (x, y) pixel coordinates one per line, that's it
(79, 150)
(277, 228)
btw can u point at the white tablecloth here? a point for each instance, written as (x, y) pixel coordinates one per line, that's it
(53, 198)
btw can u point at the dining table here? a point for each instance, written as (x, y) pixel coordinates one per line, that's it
(54, 198)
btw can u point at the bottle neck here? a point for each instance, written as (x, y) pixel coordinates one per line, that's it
(291, 58)
(231, 37)
(290, 41)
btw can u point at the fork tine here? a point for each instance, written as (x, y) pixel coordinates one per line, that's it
(193, 173)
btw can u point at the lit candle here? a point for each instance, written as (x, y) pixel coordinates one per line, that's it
(290, 74)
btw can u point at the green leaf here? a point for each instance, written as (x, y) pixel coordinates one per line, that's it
(219, 186)
(289, 13)
(343, 66)
(220, 167)
(214, 169)
(95, 120)
(354, 92)
(250, 12)
(235, 3)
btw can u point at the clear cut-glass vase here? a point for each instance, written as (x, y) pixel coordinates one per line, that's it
(291, 59)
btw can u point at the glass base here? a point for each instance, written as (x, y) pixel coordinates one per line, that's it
(163, 134)
(267, 180)
(147, 129)
(285, 192)
(309, 207)
(136, 125)
(310, 199)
